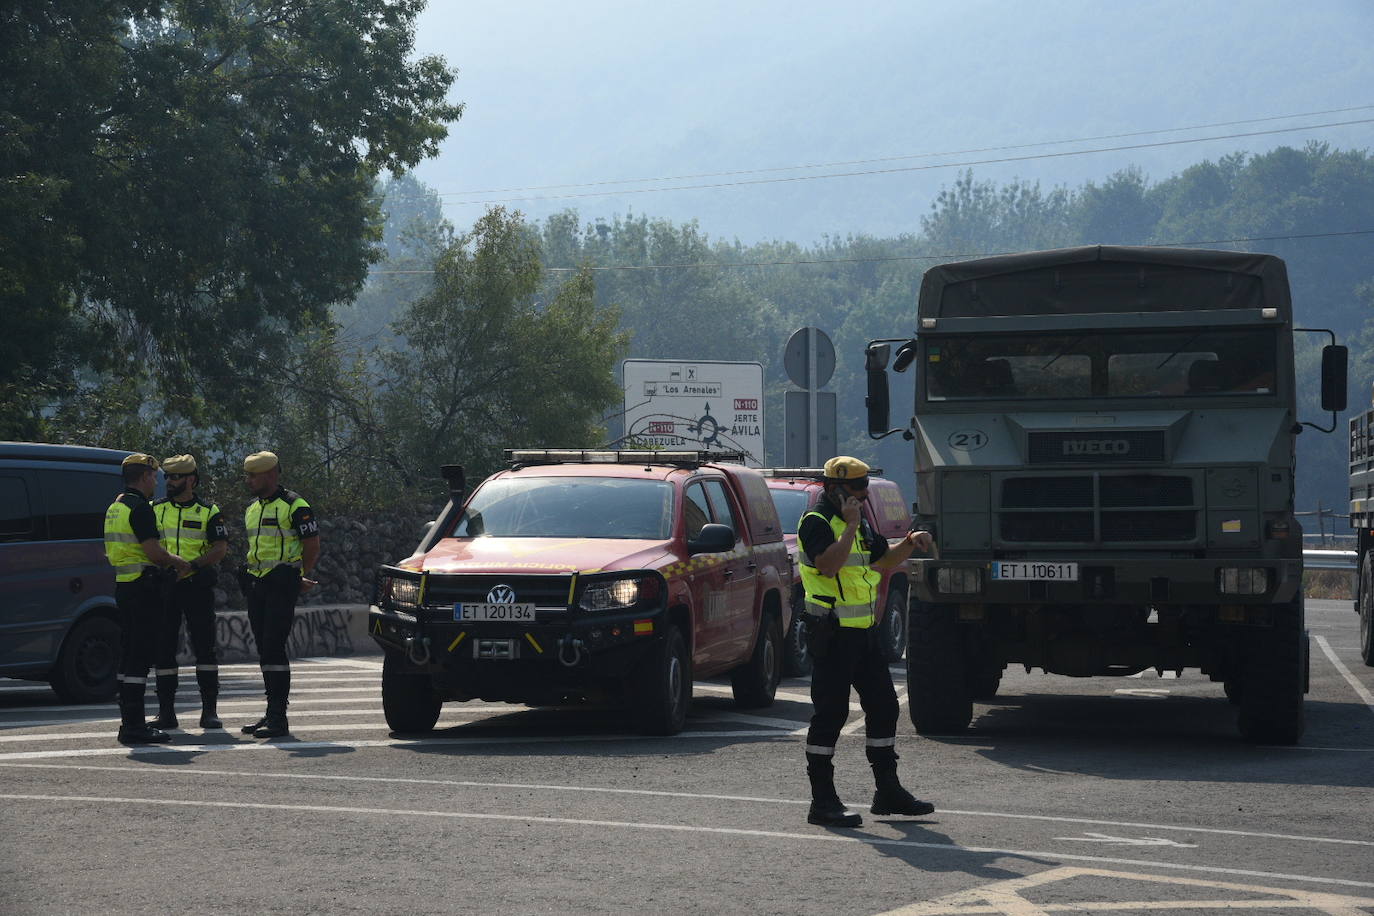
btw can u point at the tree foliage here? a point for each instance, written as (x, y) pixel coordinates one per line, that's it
(186, 183)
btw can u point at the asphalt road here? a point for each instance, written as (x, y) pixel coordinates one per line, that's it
(1123, 796)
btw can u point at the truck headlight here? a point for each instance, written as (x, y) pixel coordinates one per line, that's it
(619, 594)
(1243, 580)
(402, 593)
(958, 580)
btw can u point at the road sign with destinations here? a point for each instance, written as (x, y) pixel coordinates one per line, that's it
(695, 404)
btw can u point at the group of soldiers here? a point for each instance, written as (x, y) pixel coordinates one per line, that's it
(166, 552)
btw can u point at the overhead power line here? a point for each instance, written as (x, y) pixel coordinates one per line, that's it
(849, 162)
(908, 168)
(912, 257)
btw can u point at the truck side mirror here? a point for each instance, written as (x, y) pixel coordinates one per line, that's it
(457, 481)
(712, 538)
(875, 365)
(1334, 360)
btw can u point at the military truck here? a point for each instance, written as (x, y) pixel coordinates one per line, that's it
(1362, 520)
(1104, 445)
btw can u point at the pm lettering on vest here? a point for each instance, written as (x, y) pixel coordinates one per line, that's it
(1096, 446)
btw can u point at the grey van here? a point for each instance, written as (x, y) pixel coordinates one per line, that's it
(57, 612)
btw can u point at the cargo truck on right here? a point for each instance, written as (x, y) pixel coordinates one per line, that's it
(1362, 520)
(1105, 452)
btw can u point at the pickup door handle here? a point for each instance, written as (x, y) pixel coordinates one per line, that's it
(728, 573)
(752, 566)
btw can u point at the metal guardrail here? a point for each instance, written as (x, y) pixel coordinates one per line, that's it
(1330, 559)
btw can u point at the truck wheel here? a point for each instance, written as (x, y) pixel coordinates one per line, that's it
(893, 628)
(797, 660)
(937, 690)
(665, 687)
(408, 699)
(755, 683)
(1366, 608)
(86, 666)
(1273, 679)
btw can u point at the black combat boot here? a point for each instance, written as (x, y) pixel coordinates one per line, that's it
(166, 701)
(252, 727)
(273, 726)
(891, 798)
(132, 728)
(209, 697)
(826, 808)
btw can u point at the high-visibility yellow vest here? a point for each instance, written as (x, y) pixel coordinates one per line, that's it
(272, 542)
(122, 547)
(852, 593)
(184, 530)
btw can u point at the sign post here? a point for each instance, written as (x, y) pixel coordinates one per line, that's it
(809, 358)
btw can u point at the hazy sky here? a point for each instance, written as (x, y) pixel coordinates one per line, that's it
(575, 93)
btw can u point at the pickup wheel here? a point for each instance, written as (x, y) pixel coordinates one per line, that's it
(892, 630)
(86, 666)
(796, 656)
(938, 691)
(755, 683)
(665, 686)
(408, 699)
(1365, 605)
(1273, 679)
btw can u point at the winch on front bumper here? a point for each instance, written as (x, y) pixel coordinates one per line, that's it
(519, 638)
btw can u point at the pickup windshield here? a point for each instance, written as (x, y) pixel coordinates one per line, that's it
(569, 507)
(1101, 365)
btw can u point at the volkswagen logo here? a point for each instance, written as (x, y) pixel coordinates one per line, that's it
(501, 594)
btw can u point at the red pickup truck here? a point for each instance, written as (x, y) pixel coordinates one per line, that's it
(589, 575)
(794, 492)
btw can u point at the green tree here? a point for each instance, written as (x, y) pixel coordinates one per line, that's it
(185, 182)
(490, 363)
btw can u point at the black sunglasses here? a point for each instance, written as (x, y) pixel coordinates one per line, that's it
(857, 484)
(177, 476)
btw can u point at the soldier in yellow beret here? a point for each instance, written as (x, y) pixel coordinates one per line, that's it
(134, 549)
(283, 548)
(841, 561)
(193, 528)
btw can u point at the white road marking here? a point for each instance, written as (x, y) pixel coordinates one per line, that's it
(194, 771)
(1153, 693)
(1360, 690)
(1005, 897)
(1090, 837)
(810, 836)
(278, 744)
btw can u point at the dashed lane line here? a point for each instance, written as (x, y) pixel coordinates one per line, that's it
(662, 793)
(813, 836)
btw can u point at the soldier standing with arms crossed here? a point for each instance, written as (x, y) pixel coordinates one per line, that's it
(841, 559)
(134, 550)
(283, 547)
(192, 528)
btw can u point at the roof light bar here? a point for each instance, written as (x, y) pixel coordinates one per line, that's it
(816, 473)
(619, 456)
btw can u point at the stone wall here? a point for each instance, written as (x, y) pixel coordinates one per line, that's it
(351, 549)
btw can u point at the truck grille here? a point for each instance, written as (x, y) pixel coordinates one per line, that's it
(1101, 508)
(549, 593)
(1095, 446)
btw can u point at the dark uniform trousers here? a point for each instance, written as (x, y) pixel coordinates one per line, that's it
(194, 599)
(140, 610)
(855, 658)
(271, 612)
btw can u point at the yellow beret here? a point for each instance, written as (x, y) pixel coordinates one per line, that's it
(259, 462)
(140, 458)
(179, 464)
(842, 467)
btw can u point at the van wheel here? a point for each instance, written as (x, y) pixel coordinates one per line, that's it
(665, 686)
(408, 698)
(797, 660)
(892, 632)
(86, 667)
(938, 693)
(755, 683)
(1365, 605)
(1273, 679)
